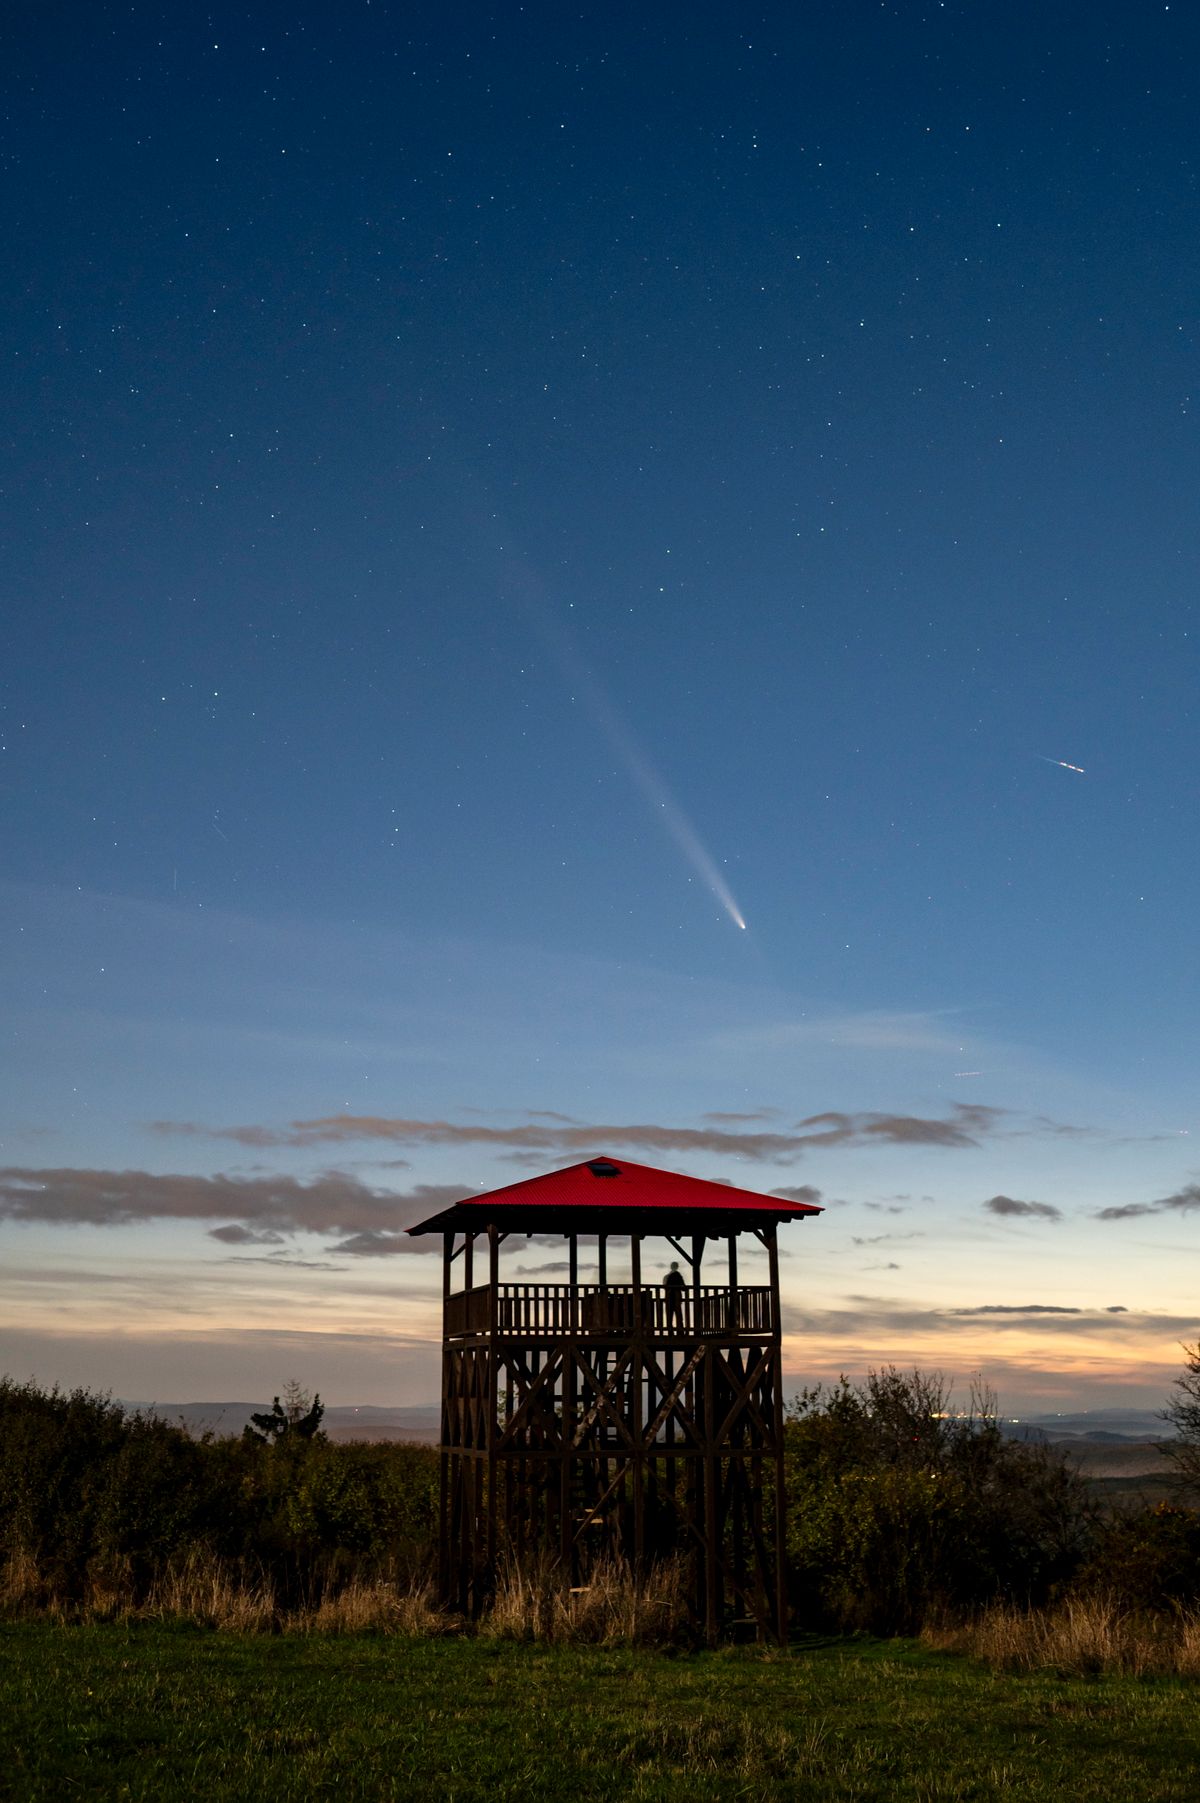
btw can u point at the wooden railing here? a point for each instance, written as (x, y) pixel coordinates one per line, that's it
(540, 1309)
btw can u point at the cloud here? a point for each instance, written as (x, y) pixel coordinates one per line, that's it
(1042, 1123)
(800, 1192)
(251, 1207)
(1182, 1202)
(877, 1031)
(908, 1330)
(966, 1122)
(964, 1126)
(1017, 1308)
(554, 1267)
(278, 1261)
(527, 1136)
(1011, 1205)
(236, 1235)
(374, 1242)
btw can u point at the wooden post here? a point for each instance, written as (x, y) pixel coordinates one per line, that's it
(566, 1424)
(492, 1395)
(697, 1261)
(781, 1620)
(734, 1311)
(635, 1273)
(636, 1425)
(468, 1260)
(712, 1537)
(444, 1437)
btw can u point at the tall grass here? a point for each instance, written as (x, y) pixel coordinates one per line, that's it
(1083, 1636)
(535, 1602)
(614, 1608)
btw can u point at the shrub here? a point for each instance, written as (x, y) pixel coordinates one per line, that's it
(900, 1508)
(97, 1501)
(1148, 1560)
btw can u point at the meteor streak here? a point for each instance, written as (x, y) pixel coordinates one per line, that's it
(1062, 764)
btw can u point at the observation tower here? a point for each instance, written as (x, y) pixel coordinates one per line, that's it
(630, 1414)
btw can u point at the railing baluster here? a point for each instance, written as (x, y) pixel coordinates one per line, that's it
(560, 1308)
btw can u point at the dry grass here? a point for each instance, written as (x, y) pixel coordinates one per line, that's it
(531, 1603)
(212, 1593)
(20, 1583)
(1082, 1637)
(380, 1608)
(207, 1591)
(535, 1602)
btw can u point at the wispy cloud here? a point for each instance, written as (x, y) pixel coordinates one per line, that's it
(1019, 1308)
(965, 1125)
(237, 1235)
(875, 1030)
(1013, 1205)
(900, 1324)
(253, 1210)
(1183, 1201)
(376, 1242)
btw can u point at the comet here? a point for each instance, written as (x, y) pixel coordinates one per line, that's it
(658, 796)
(1061, 764)
(527, 589)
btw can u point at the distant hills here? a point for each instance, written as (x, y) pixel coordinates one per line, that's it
(421, 1422)
(1100, 1427)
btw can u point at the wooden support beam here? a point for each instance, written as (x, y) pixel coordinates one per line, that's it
(781, 1612)
(712, 1529)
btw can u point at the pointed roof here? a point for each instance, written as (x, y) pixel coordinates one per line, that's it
(610, 1195)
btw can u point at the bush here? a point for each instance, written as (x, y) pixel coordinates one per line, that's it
(900, 1509)
(87, 1490)
(93, 1497)
(1146, 1561)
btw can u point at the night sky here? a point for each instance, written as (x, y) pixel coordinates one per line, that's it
(495, 498)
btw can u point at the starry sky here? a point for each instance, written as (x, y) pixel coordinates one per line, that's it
(600, 579)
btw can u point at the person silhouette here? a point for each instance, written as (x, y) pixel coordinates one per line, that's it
(675, 1286)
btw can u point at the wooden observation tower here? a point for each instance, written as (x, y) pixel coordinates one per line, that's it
(618, 1414)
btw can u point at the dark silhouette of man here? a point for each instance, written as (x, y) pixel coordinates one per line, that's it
(675, 1286)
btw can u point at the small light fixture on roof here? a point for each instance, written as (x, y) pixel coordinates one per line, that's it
(603, 1167)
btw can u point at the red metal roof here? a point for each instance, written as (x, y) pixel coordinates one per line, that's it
(607, 1188)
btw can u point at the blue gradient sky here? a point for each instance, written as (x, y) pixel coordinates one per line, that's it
(485, 491)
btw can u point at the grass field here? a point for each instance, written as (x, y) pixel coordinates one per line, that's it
(153, 1712)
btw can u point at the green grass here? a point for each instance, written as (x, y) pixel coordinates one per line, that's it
(151, 1712)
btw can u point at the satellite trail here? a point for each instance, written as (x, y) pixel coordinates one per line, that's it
(1062, 764)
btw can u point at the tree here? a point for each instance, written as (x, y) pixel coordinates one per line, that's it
(901, 1505)
(297, 1417)
(1183, 1414)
